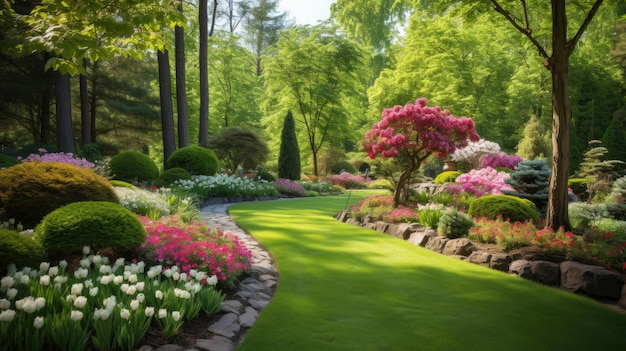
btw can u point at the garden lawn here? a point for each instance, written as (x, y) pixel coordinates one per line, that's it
(344, 287)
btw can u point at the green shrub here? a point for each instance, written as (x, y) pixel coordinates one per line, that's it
(133, 166)
(90, 152)
(19, 249)
(380, 184)
(504, 169)
(267, 176)
(169, 176)
(96, 224)
(289, 166)
(454, 224)
(7, 161)
(618, 192)
(365, 168)
(509, 207)
(578, 186)
(530, 179)
(121, 184)
(197, 160)
(31, 190)
(311, 193)
(344, 166)
(430, 216)
(143, 202)
(35, 149)
(446, 177)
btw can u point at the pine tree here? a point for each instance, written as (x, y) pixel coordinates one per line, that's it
(614, 139)
(530, 181)
(599, 172)
(289, 156)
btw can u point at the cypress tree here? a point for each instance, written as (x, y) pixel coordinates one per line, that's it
(289, 156)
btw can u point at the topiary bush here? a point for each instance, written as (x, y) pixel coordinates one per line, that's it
(446, 177)
(19, 249)
(344, 166)
(7, 161)
(133, 166)
(31, 190)
(197, 160)
(454, 224)
(509, 207)
(169, 176)
(96, 224)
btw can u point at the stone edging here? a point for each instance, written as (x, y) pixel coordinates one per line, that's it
(596, 282)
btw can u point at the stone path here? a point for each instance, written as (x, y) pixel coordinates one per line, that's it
(239, 313)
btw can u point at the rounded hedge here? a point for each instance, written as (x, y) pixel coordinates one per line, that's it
(267, 176)
(19, 249)
(31, 190)
(446, 177)
(96, 224)
(133, 166)
(510, 207)
(195, 159)
(169, 176)
(342, 166)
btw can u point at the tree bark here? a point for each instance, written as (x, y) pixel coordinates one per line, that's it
(85, 118)
(557, 213)
(203, 137)
(46, 98)
(94, 101)
(181, 87)
(404, 177)
(167, 113)
(65, 133)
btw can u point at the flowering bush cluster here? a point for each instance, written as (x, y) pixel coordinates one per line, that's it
(194, 246)
(483, 181)
(349, 181)
(222, 185)
(69, 158)
(320, 187)
(474, 151)
(101, 305)
(400, 214)
(143, 202)
(288, 187)
(500, 160)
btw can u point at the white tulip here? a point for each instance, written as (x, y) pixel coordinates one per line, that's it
(44, 280)
(176, 315)
(38, 322)
(80, 302)
(76, 315)
(149, 312)
(162, 313)
(125, 313)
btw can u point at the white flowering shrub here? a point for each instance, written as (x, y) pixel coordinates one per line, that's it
(474, 151)
(143, 202)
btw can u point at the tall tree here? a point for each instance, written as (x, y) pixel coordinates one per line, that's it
(203, 137)
(167, 113)
(65, 132)
(181, 84)
(289, 155)
(313, 69)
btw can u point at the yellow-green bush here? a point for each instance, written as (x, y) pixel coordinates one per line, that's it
(95, 224)
(578, 185)
(19, 249)
(31, 190)
(510, 207)
(121, 184)
(446, 177)
(131, 166)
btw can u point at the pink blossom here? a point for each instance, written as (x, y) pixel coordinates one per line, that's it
(484, 181)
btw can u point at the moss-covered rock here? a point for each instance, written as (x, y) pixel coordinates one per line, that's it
(99, 225)
(31, 190)
(510, 207)
(133, 166)
(195, 159)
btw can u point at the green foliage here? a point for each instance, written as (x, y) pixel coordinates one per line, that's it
(447, 177)
(239, 147)
(31, 190)
(289, 166)
(578, 186)
(454, 224)
(19, 249)
(197, 160)
(169, 176)
(381, 184)
(430, 216)
(267, 176)
(121, 184)
(344, 166)
(133, 166)
(96, 224)
(531, 179)
(153, 204)
(599, 173)
(90, 152)
(504, 169)
(533, 143)
(365, 167)
(508, 207)
(7, 161)
(35, 149)
(618, 192)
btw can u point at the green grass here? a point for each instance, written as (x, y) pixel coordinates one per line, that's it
(348, 288)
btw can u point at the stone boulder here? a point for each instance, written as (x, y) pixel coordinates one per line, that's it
(420, 238)
(500, 262)
(593, 281)
(381, 226)
(521, 268)
(546, 273)
(402, 230)
(437, 243)
(480, 257)
(459, 247)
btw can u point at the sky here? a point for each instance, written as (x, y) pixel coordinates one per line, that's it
(306, 11)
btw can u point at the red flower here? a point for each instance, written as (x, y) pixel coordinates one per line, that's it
(154, 188)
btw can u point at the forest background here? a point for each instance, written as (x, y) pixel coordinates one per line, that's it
(127, 92)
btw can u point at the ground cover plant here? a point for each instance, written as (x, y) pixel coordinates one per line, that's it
(223, 185)
(340, 282)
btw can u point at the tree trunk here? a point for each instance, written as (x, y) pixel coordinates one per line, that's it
(557, 215)
(46, 97)
(167, 113)
(85, 118)
(93, 101)
(203, 138)
(404, 177)
(65, 134)
(181, 87)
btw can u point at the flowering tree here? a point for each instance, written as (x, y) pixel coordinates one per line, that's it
(410, 134)
(474, 151)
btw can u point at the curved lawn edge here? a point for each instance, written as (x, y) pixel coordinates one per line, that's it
(343, 287)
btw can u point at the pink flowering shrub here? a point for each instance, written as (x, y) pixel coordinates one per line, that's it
(349, 181)
(400, 214)
(374, 205)
(484, 181)
(193, 245)
(60, 157)
(500, 160)
(288, 187)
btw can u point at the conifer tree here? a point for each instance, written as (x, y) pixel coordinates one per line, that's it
(533, 143)
(289, 156)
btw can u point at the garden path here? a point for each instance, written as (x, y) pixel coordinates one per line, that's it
(241, 306)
